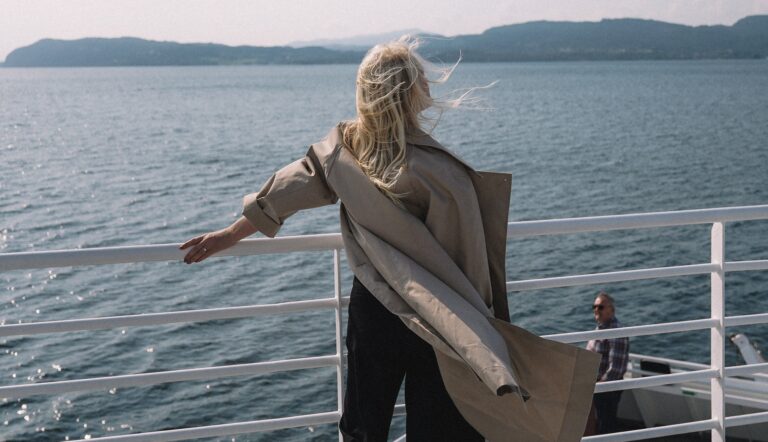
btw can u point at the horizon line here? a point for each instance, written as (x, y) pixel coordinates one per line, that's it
(289, 44)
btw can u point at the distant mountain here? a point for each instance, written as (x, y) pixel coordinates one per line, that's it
(356, 42)
(615, 39)
(129, 51)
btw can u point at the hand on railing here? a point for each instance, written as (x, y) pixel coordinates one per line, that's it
(206, 245)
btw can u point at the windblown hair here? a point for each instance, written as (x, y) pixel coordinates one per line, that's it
(390, 98)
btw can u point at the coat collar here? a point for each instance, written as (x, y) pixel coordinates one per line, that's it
(415, 136)
(421, 138)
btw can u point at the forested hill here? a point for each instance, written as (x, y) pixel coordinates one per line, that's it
(129, 51)
(609, 39)
(616, 39)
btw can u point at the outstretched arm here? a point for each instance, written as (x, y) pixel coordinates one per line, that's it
(206, 245)
(297, 186)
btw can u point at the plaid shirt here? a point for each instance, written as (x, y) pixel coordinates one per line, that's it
(614, 352)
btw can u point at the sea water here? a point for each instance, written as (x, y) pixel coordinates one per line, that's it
(96, 157)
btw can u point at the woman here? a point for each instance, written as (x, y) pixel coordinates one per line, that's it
(425, 236)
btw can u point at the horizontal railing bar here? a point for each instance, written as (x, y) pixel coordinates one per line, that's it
(676, 364)
(746, 419)
(163, 252)
(330, 241)
(731, 382)
(744, 266)
(701, 389)
(608, 277)
(733, 321)
(648, 433)
(742, 370)
(642, 373)
(232, 429)
(224, 429)
(108, 322)
(751, 385)
(144, 379)
(736, 399)
(636, 221)
(671, 362)
(655, 381)
(635, 330)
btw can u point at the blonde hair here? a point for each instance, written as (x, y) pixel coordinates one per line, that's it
(389, 99)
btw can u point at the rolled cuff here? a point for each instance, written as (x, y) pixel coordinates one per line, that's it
(255, 214)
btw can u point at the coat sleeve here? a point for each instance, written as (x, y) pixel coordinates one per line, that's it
(299, 185)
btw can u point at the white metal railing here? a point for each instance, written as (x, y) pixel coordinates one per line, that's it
(733, 374)
(716, 323)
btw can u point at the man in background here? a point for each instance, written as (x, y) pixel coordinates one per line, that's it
(613, 365)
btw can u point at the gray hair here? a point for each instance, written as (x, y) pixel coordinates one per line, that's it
(607, 297)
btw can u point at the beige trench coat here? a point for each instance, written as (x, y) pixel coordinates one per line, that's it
(461, 311)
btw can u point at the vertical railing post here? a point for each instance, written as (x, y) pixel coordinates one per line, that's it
(339, 333)
(717, 333)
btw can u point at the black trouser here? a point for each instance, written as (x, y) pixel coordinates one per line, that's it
(382, 350)
(606, 406)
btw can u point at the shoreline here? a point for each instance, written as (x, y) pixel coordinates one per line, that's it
(547, 61)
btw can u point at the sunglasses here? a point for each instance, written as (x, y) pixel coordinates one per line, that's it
(598, 307)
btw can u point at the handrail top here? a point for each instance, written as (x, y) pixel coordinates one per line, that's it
(637, 220)
(331, 241)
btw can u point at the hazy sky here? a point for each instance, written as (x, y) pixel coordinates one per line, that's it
(276, 22)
